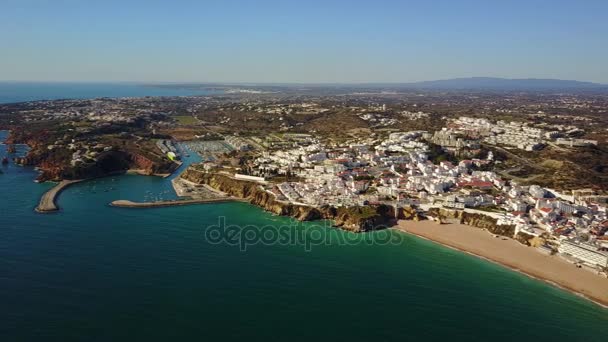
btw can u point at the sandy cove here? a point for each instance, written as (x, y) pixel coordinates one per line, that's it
(512, 254)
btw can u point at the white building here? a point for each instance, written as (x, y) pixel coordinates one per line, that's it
(587, 253)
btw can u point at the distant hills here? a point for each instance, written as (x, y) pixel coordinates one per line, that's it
(494, 83)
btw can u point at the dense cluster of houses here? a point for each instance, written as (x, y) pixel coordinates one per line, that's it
(397, 171)
(519, 135)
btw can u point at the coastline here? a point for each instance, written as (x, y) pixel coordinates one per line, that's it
(513, 255)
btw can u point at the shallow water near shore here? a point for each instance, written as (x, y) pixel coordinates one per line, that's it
(94, 272)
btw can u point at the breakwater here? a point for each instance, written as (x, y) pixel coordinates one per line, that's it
(160, 204)
(48, 202)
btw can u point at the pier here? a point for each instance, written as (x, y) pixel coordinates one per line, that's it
(48, 202)
(160, 204)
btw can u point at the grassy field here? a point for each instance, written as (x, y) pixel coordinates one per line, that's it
(186, 120)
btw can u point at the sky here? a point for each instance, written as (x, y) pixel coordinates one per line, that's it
(303, 41)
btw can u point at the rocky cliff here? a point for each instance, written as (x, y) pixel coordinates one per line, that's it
(486, 222)
(475, 220)
(356, 219)
(53, 167)
(529, 240)
(140, 162)
(55, 164)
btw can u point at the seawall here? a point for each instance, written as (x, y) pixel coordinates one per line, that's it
(160, 204)
(48, 202)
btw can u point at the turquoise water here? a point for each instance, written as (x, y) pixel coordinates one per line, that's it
(32, 91)
(97, 273)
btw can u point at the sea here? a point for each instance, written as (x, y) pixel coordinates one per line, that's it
(11, 92)
(230, 271)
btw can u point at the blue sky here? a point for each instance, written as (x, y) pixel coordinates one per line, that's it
(301, 41)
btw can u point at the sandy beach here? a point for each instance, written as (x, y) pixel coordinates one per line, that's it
(514, 255)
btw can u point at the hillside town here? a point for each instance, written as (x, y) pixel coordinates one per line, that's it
(397, 171)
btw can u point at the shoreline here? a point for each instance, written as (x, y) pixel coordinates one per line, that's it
(48, 201)
(516, 257)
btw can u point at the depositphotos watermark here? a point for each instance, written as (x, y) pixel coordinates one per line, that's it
(295, 234)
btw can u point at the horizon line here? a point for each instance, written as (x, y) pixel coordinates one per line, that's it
(252, 83)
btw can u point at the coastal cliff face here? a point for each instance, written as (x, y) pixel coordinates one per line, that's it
(140, 162)
(474, 220)
(408, 213)
(529, 240)
(486, 222)
(355, 219)
(55, 164)
(55, 168)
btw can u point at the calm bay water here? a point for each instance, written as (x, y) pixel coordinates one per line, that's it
(96, 273)
(32, 91)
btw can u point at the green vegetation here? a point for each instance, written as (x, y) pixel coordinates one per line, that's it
(363, 212)
(437, 154)
(186, 120)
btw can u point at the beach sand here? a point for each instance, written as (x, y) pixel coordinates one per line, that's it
(514, 255)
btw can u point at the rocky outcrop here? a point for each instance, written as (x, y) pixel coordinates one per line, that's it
(486, 222)
(529, 240)
(55, 164)
(140, 162)
(408, 213)
(355, 219)
(54, 168)
(475, 220)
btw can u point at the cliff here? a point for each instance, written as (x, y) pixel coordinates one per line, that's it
(486, 222)
(355, 219)
(141, 162)
(474, 220)
(54, 166)
(529, 240)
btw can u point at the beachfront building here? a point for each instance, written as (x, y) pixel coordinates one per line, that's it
(587, 253)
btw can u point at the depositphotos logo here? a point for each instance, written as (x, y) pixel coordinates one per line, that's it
(295, 234)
